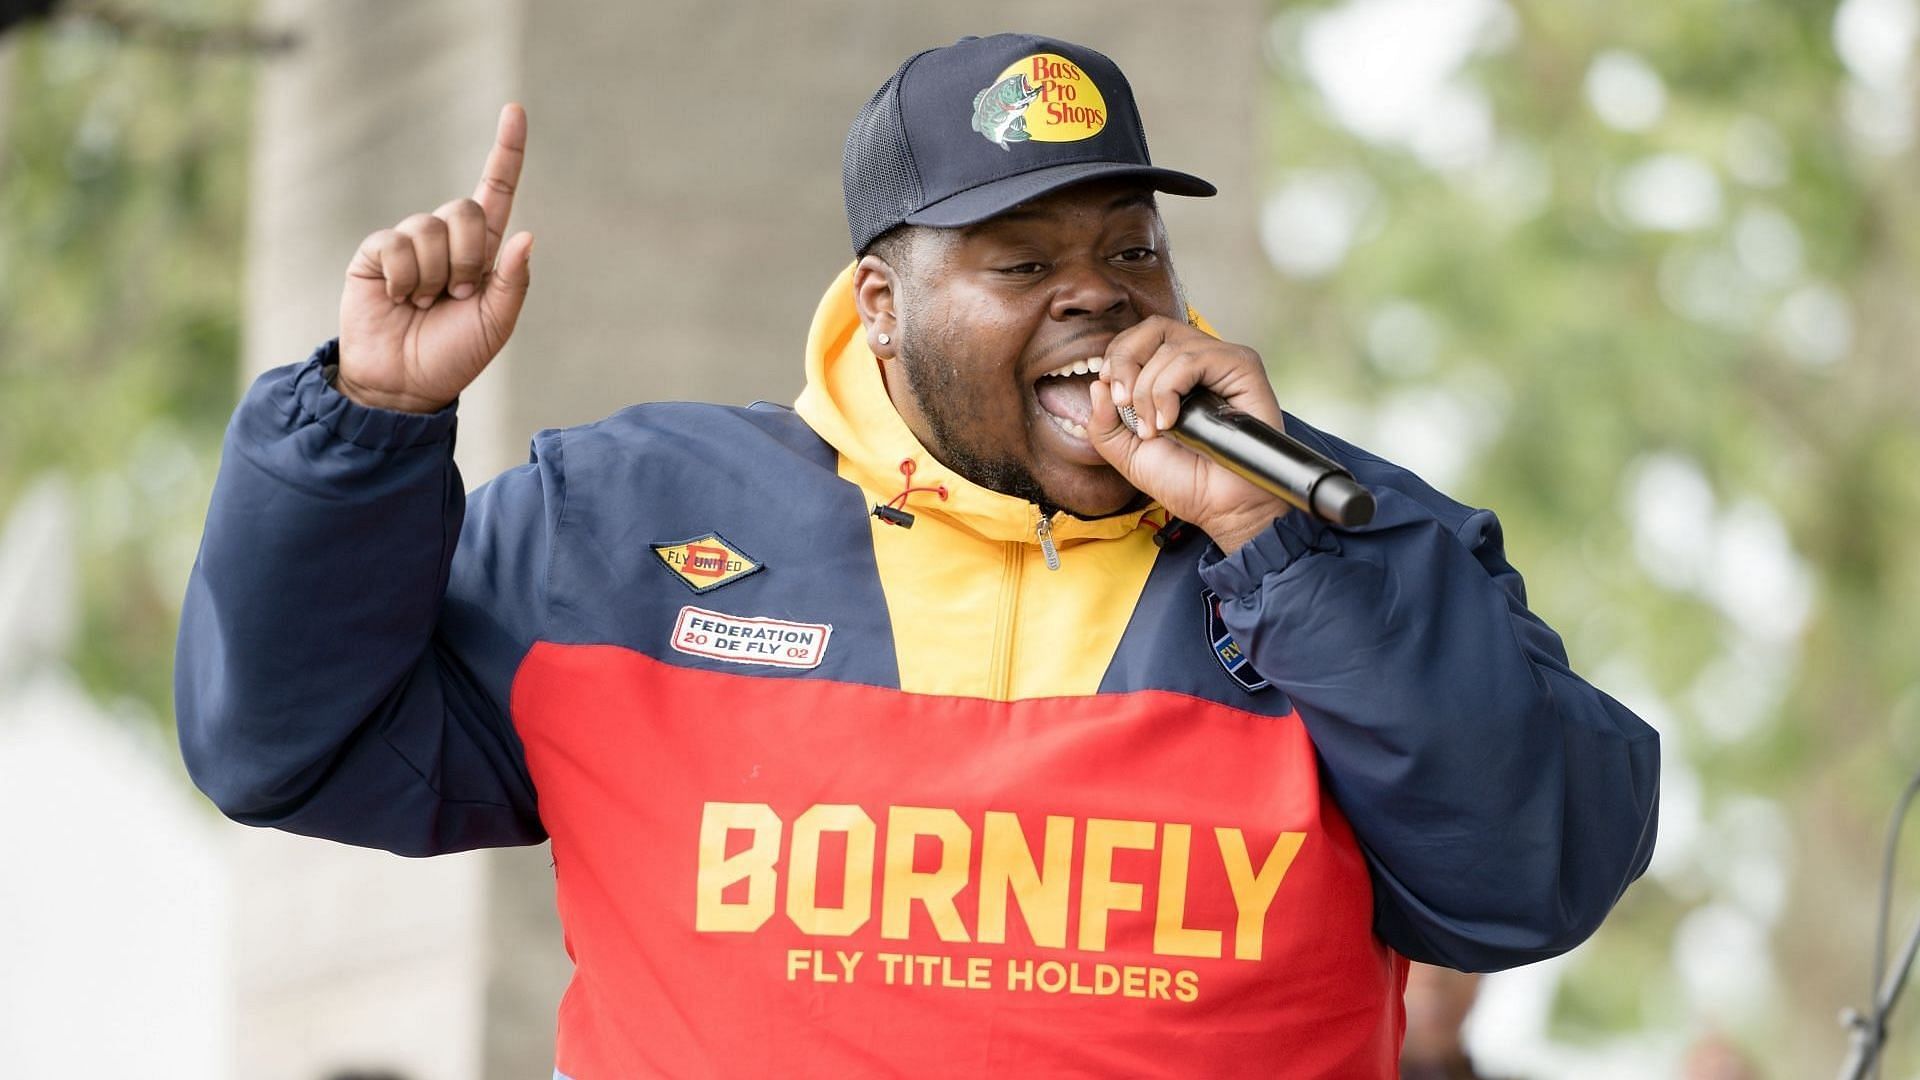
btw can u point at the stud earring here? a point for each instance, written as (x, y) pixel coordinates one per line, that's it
(885, 340)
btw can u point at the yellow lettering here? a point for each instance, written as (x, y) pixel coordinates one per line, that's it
(1158, 980)
(803, 871)
(1253, 892)
(1007, 865)
(935, 890)
(1171, 937)
(1052, 971)
(979, 973)
(1186, 986)
(1019, 974)
(754, 866)
(1074, 985)
(1099, 893)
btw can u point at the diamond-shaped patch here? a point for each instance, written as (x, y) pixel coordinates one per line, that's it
(706, 562)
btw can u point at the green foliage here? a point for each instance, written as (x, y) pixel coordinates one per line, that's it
(1598, 342)
(122, 210)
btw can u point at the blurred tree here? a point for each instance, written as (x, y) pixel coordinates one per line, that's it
(1642, 276)
(122, 210)
(1639, 275)
(147, 25)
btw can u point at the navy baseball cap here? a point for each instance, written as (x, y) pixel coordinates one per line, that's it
(970, 130)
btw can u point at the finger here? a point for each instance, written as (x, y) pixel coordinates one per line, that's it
(466, 246)
(429, 236)
(500, 177)
(1189, 359)
(1167, 373)
(506, 290)
(1164, 380)
(1126, 354)
(387, 257)
(1150, 465)
(1105, 430)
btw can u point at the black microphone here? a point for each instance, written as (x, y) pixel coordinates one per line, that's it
(1272, 459)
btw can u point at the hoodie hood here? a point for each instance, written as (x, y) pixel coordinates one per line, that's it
(845, 402)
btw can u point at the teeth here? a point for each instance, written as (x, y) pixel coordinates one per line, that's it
(1078, 431)
(1089, 366)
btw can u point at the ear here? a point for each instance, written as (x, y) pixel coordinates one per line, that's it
(875, 296)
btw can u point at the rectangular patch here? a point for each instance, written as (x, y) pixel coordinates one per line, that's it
(749, 640)
(1227, 651)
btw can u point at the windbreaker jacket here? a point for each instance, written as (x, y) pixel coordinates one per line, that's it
(832, 796)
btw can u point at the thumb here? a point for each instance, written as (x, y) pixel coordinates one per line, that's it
(507, 287)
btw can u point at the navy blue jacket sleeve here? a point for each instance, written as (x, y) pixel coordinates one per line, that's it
(1504, 804)
(346, 646)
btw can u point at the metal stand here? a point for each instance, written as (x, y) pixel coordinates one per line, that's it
(1870, 1032)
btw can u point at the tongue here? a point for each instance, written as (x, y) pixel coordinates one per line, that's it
(1066, 397)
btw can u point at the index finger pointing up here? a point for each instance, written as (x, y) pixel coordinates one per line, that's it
(502, 175)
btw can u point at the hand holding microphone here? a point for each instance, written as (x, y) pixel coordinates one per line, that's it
(1225, 464)
(1297, 473)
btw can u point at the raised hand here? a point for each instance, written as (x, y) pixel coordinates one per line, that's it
(430, 302)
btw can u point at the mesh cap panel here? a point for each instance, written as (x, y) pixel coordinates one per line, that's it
(876, 169)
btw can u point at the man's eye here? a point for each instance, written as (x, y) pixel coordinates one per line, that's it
(1138, 255)
(1025, 269)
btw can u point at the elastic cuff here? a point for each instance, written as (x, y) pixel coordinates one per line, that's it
(1291, 536)
(362, 425)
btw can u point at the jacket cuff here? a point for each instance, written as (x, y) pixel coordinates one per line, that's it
(364, 426)
(1292, 536)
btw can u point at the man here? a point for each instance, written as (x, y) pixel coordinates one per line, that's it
(909, 731)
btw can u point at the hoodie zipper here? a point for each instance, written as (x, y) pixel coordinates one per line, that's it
(1044, 530)
(1012, 569)
(1012, 560)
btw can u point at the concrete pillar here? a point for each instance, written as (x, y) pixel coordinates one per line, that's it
(683, 178)
(351, 959)
(684, 175)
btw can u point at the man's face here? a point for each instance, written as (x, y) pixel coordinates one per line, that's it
(988, 314)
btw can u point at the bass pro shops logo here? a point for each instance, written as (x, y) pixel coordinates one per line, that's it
(1043, 98)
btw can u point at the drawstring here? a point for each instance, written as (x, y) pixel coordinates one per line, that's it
(894, 510)
(1168, 530)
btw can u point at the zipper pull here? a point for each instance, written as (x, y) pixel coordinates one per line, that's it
(1045, 531)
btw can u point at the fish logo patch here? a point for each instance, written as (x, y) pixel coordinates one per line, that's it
(1042, 98)
(706, 562)
(1228, 651)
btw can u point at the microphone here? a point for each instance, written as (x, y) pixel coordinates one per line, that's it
(1272, 459)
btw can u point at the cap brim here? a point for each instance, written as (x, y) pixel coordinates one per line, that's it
(978, 204)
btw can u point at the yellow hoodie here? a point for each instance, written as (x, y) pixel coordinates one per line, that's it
(1035, 633)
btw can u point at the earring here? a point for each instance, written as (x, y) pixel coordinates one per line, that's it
(885, 340)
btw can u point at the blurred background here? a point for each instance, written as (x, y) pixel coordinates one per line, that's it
(1639, 275)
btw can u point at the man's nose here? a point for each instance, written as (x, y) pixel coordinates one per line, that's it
(1087, 290)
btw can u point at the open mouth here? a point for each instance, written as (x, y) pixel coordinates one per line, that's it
(1063, 395)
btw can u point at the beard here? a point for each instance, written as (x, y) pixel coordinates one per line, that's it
(933, 374)
(933, 364)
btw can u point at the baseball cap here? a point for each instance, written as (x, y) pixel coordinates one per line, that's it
(969, 130)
